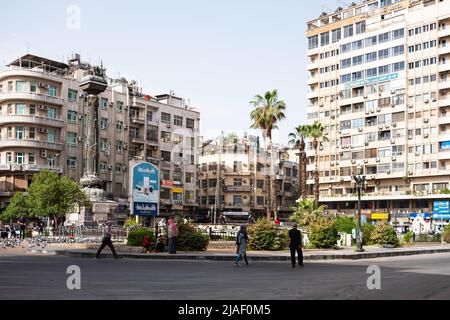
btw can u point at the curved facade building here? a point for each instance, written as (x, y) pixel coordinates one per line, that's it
(43, 125)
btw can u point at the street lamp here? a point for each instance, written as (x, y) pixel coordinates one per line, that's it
(216, 199)
(360, 181)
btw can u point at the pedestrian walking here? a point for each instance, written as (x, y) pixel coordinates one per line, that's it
(13, 232)
(106, 241)
(296, 245)
(147, 243)
(414, 237)
(241, 243)
(173, 234)
(22, 231)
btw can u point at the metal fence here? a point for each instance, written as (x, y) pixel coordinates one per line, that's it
(90, 233)
(220, 235)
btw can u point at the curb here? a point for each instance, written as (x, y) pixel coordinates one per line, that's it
(230, 257)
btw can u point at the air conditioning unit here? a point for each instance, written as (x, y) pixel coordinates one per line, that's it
(394, 158)
(80, 117)
(387, 126)
(360, 129)
(125, 127)
(425, 135)
(126, 108)
(332, 164)
(411, 106)
(111, 104)
(353, 161)
(410, 172)
(426, 120)
(333, 117)
(80, 139)
(366, 161)
(43, 153)
(366, 143)
(380, 127)
(392, 141)
(393, 105)
(320, 148)
(433, 100)
(124, 168)
(417, 154)
(41, 85)
(366, 96)
(351, 146)
(373, 176)
(110, 166)
(125, 146)
(106, 152)
(168, 126)
(426, 101)
(388, 172)
(393, 91)
(378, 159)
(141, 147)
(367, 112)
(394, 124)
(378, 109)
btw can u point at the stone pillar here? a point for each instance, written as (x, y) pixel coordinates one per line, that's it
(92, 136)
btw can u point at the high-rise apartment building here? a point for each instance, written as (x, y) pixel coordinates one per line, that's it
(234, 177)
(43, 126)
(378, 81)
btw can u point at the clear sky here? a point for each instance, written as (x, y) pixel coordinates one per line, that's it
(218, 54)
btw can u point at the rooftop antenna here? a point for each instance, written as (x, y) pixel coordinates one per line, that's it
(342, 2)
(324, 7)
(28, 48)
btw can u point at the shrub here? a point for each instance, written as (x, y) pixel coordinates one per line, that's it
(136, 237)
(323, 233)
(345, 224)
(130, 222)
(385, 234)
(367, 230)
(263, 235)
(190, 239)
(408, 236)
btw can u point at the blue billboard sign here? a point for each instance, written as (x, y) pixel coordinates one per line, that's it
(441, 207)
(144, 186)
(445, 145)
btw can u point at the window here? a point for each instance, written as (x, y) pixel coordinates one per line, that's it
(357, 60)
(21, 86)
(360, 27)
(119, 106)
(8, 157)
(384, 37)
(72, 95)
(119, 146)
(324, 38)
(371, 41)
(72, 163)
(118, 168)
(51, 135)
(72, 116)
(32, 133)
(166, 136)
(119, 126)
(104, 103)
(346, 63)
(336, 35)
(346, 48)
(165, 156)
(383, 54)
(313, 42)
(20, 158)
(348, 31)
(383, 69)
(189, 177)
(165, 117)
(237, 200)
(102, 167)
(32, 109)
(31, 158)
(52, 91)
(178, 121)
(397, 34)
(51, 113)
(33, 87)
(398, 50)
(103, 144)
(71, 138)
(371, 57)
(357, 44)
(20, 133)
(20, 109)
(190, 123)
(357, 75)
(399, 66)
(104, 123)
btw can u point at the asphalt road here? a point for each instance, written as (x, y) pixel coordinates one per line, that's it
(44, 277)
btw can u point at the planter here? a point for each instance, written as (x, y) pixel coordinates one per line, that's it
(388, 246)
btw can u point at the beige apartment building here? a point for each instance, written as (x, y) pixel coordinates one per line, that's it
(378, 80)
(43, 126)
(233, 178)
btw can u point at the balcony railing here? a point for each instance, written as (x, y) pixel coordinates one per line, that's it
(31, 119)
(31, 96)
(31, 144)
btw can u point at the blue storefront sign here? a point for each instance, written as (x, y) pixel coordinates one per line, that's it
(445, 145)
(372, 80)
(144, 185)
(441, 210)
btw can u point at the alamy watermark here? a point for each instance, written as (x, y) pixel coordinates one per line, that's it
(73, 21)
(374, 281)
(74, 280)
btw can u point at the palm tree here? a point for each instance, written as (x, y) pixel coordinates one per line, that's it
(318, 135)
(267, 112)
(307, 212)
(298, 142)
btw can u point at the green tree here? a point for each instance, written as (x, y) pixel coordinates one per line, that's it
(385, 234)
(298, 142)
(306, 212)
(267, 112)
(318, 135)
(323, 233)
(17, 208)
(345, 224)
(51, 195)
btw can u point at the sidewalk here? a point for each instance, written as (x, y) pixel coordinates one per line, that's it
(309, 255)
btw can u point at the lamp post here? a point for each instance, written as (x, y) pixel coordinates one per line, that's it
(360, 181)
(215, 202)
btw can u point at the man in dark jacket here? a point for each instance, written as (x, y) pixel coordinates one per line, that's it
(296, 245)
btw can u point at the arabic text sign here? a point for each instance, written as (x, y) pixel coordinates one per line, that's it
(144, 179)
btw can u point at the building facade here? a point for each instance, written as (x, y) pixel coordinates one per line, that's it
(234, 177)
(378, 81)
(43, 126)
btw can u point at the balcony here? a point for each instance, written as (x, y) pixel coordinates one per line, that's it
(444, 101)
(312, 66)
(31, 119)
(443, 49)
(443, 32)
(444, 84)
(238, 188)
(33, 168)
(137, 139)
(166, 146)
(312, 80)
(444, 119)
(166, 165)
(153, 160)
(15, 143)
(445, 66)
(137, 120)
(312, 94)
(153, 122)
(32, 97)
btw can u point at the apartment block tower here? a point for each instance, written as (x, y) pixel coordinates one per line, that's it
(43, 126)
(378, 81)
(234, 178)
